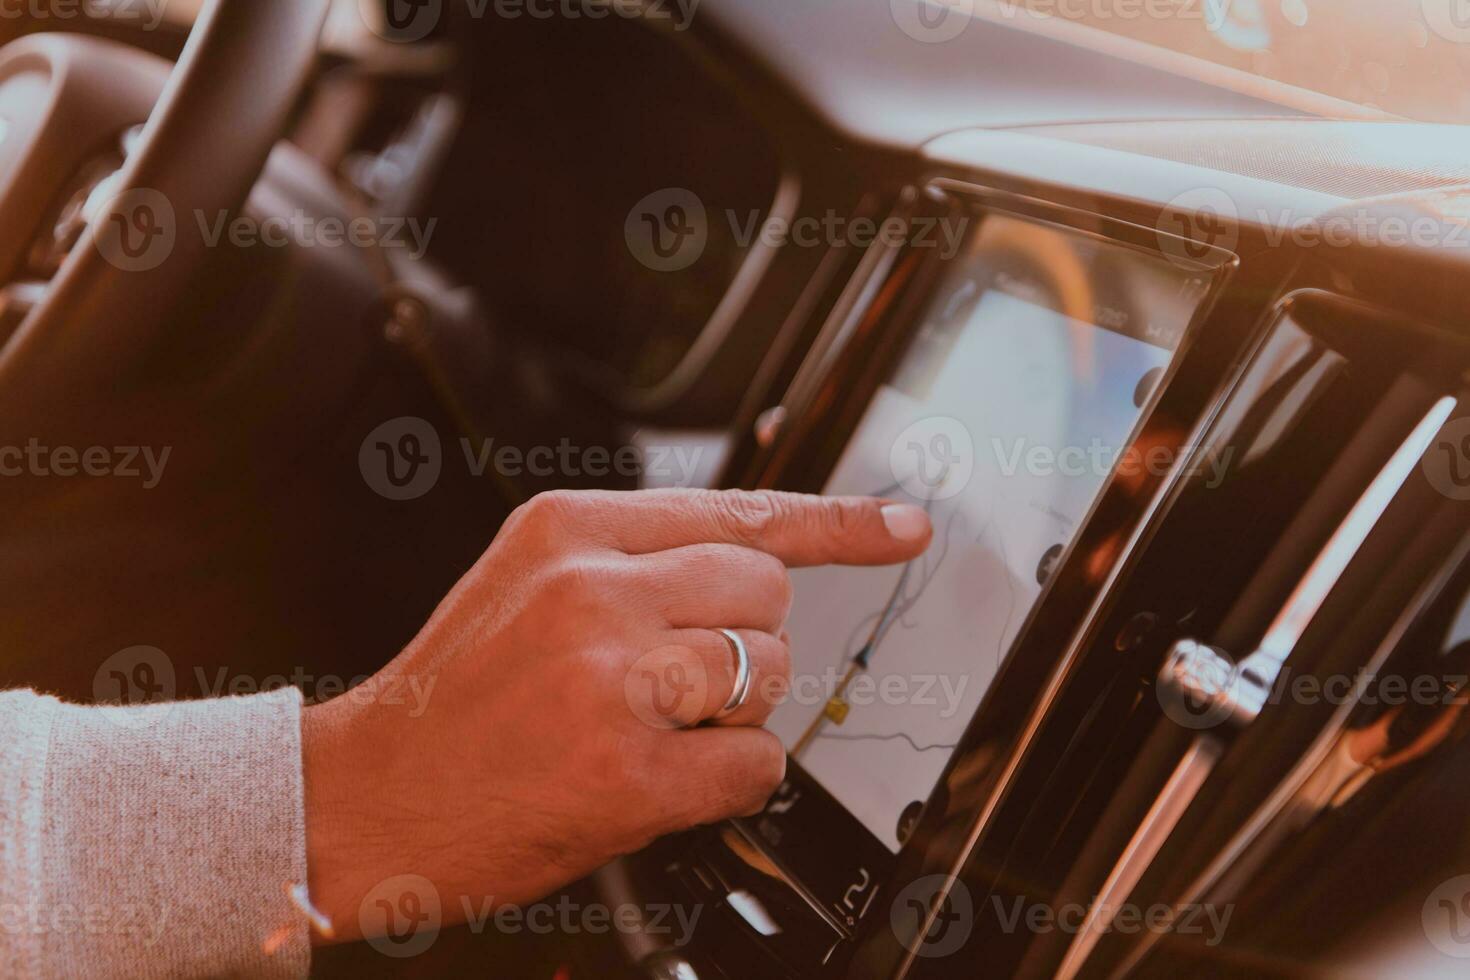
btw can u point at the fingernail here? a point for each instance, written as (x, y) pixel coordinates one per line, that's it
(906, 522)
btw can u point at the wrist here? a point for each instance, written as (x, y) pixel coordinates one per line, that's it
(335, 787)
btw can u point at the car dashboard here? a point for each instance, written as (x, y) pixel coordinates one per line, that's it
(1184, 399)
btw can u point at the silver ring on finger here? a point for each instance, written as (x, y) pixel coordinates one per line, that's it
(741, 692)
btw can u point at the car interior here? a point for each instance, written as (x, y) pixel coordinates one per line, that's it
(1159, 307)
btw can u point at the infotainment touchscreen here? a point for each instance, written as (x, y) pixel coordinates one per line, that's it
(1006, 416)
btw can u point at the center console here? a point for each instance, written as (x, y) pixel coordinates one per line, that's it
(1006, 385)
(1145, 434)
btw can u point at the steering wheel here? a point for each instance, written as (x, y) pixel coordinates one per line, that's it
(210, 125)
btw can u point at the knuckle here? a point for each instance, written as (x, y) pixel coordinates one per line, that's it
(784, 665)
(567, 577)
(689, 710)
(766, 567)
(775, 676)
(768, 769)
(666, 688)
(762, 574)
(771, 582)
(729, 788)
(578, 581)
(748, 516)
(546, 510)
(744, 784)
(783, 590)
(842, 518)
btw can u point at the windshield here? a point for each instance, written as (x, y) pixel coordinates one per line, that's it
(1408, 58)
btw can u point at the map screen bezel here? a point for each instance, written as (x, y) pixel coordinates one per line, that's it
(806, 831)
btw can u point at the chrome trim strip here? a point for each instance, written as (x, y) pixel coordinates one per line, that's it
(1168, 809)
(1291, 622)
(1284, 632)
(758, 400)
(851, 306)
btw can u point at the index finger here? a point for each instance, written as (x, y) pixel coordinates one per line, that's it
(799, 529)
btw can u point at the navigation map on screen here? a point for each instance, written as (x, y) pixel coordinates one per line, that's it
(1004, 421)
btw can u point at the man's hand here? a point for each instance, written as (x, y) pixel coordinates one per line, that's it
(569, 671)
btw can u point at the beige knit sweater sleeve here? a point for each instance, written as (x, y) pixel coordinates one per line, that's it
(153, 841)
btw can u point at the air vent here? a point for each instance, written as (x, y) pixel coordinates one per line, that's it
(1321, 507)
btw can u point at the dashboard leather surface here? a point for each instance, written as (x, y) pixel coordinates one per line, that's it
(1346, 159)
(858, 69)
